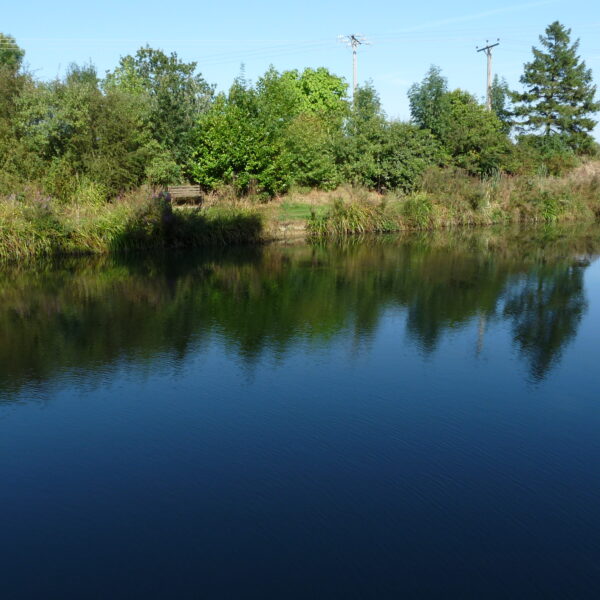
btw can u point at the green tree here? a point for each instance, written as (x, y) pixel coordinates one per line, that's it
(559, 96)
(233, 145)
(273, 134)
(11, 84)
(11, 55)
(77, 130)
(317, 92)
(359, 149)
(380, 154)
(308, 138)
(174, 93)
(501, 102)
(472, 136)
(428, 100)
(13, 156)
(310, 152)
(324, 94)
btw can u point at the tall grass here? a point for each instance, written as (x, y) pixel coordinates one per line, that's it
(451, 198)
(350, 217)
(34, 225)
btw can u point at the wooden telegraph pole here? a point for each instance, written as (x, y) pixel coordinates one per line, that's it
(488, 51)
(354, 41)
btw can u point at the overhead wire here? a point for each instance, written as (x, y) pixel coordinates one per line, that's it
(516, 36)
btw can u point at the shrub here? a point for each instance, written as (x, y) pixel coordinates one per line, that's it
(545, 155)
(162, 170)
(473, 136)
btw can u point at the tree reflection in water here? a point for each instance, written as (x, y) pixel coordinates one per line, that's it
(89, 314)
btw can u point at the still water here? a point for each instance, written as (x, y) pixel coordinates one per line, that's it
(412, 417)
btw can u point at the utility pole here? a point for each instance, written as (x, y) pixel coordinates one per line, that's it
(353, 41)
(488, 52)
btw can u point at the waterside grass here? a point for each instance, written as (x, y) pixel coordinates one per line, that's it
(448, 198)
(32, 226)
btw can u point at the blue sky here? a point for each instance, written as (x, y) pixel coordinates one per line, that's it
(406, 37)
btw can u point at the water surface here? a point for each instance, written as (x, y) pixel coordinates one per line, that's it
(407, 417)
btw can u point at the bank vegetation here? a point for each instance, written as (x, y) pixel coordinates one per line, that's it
(85, 160)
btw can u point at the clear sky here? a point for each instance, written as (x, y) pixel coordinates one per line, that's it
(407, 37)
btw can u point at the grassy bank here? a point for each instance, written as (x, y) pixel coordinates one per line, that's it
(37, 226)
(448, 199)
(33, 225)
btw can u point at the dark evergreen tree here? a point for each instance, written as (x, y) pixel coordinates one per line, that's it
(559, 96)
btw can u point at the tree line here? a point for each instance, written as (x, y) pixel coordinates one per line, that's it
(154, 119)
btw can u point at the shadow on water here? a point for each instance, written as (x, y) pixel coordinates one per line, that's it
(89, 314)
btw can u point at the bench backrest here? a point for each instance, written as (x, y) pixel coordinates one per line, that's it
(184, 191)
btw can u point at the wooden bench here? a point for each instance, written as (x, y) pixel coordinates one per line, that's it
(184, 192)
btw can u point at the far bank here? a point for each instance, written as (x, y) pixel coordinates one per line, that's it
(32, 224)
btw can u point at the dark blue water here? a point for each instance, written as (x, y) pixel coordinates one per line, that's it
(411, 418)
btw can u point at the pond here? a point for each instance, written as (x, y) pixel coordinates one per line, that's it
(415, 416)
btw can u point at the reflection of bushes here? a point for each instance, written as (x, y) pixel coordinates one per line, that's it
(87, 313)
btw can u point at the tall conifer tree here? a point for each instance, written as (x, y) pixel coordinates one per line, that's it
(559, 96)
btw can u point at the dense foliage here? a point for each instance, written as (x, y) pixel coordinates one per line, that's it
(154, 119)
(171, 94)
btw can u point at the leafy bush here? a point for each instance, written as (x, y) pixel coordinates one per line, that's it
(472, 135)
(163, 170)
(546, 155)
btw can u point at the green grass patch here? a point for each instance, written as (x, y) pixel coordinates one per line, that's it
(299, 211)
